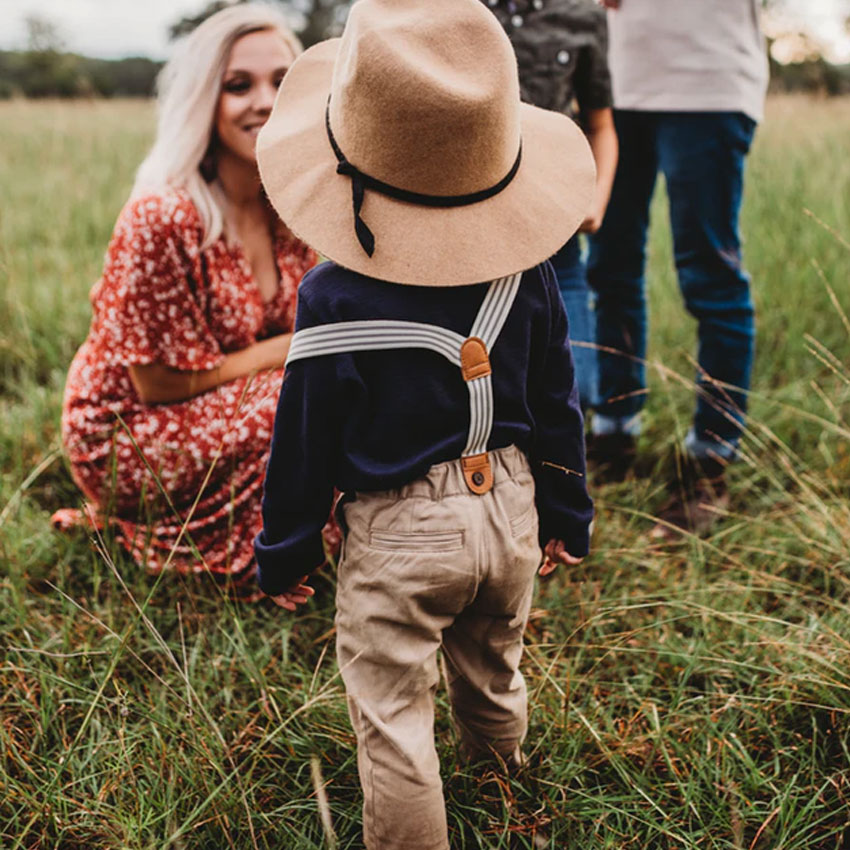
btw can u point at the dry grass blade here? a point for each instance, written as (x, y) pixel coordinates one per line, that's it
(322, 803)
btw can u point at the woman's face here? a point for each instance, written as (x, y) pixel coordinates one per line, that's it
(255, 67)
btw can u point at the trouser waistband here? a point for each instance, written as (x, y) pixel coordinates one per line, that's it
(446, 479)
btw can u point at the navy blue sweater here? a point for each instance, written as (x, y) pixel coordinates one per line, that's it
(377, 420)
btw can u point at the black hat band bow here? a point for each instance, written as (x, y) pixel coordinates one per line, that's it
(361, 181)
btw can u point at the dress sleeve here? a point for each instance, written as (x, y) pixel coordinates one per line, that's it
(299, 484)
(149, 304)
(557, 458)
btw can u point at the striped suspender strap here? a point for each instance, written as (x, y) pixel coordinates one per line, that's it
(373, 335)
(471, 354)
(475, 367)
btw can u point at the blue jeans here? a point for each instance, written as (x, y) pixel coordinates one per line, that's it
(701, 155)
(578, 300)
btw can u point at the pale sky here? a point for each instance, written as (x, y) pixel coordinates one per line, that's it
(115, 28)
(108, 29)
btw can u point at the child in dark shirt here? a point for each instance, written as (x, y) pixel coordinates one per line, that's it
(429, 380)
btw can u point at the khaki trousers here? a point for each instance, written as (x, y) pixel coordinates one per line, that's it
(433, 565)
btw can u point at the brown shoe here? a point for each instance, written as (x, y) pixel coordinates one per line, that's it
(699, 498)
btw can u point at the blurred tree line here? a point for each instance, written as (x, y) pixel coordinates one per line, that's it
(45, 69)
(312, 20)
(57, 74)
(801, 49)
(816, 76)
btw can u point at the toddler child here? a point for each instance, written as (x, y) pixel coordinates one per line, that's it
(429, 380)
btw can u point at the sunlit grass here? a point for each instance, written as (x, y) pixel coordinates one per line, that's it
(690, 695)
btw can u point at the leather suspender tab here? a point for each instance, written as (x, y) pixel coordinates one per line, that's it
(474, 360)
(477, 473)
(475, 363)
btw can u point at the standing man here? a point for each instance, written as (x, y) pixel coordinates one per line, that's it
(561, 48)
(689, 79)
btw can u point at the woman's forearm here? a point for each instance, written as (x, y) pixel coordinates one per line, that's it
(159, 384)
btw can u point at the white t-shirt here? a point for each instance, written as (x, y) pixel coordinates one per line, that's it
(688, 55)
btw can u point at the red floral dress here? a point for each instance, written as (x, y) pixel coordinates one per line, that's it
(182, 481)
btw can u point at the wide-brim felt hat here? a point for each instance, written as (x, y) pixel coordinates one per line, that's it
(402, 151)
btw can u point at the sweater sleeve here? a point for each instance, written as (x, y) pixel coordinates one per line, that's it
(557, 458)
(299, 483)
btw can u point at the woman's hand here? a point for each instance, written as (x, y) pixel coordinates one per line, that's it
(555, 554)
(159, 384)
(297, 595)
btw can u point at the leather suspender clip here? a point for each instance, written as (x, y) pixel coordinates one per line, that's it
(477, 473)
(474, 360)
(474, 364)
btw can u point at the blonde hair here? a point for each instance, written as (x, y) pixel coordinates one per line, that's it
(188, 89)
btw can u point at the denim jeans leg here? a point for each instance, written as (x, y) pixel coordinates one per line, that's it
(572, 281)
(615, 271)
(702, 156)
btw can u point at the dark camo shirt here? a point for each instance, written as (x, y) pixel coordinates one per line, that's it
(561, 48)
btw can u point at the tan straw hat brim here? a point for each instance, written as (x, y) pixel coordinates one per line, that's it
(524, 224)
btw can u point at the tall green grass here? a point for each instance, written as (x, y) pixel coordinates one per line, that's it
(688, 695)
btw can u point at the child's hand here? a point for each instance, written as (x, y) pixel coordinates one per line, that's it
(556, 554)
(298, 594)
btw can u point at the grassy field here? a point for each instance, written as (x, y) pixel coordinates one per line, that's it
(690, 695)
